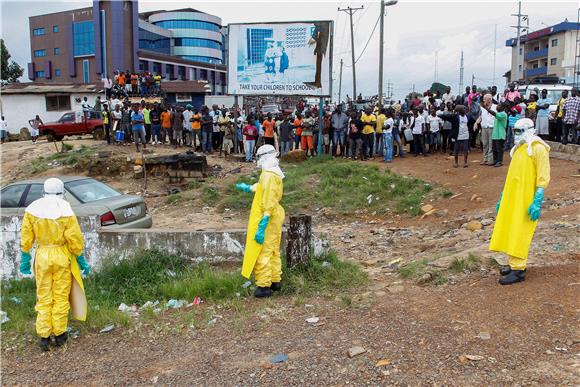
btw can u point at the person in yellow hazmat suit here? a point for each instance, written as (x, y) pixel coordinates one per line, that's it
(51, 223)
(519, 205)
(262, 253)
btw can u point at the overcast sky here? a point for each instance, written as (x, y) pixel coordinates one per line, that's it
(414, 31)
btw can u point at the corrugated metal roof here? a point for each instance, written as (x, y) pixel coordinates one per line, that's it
(40, 88)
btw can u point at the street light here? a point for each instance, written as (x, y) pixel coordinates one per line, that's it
(381, 43)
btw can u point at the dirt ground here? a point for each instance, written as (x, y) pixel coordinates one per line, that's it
(469, 331)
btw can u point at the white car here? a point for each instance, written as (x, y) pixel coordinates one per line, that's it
(554, 92)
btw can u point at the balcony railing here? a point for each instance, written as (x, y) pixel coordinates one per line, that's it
(537, 71)
(536, 54)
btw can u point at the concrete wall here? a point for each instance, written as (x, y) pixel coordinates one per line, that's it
(197, 246)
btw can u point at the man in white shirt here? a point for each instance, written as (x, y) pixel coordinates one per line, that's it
(187, 114)
(418, 129)
(434, 126)
(486, 120)
(3, 130)
(447, 96)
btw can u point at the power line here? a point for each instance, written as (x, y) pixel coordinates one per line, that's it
(368, 41)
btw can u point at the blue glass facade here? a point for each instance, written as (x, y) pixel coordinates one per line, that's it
(83, 38)
(199, 58)
(154, 42)
(38, 32)
(39, 53)
(39, 74)
(188, 24)
(196, 42)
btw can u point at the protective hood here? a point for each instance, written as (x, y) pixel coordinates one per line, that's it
(528, 138)
(268, 161)
(52, 205)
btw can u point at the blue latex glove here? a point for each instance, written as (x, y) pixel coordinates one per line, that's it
(536, 206)
(498, 203)
(259, 237)
(244, 187)
(84, 265)
(25, 259)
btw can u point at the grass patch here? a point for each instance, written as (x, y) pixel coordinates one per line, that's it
(195, 184)
(413, 269)
(340, 185)
(210, 195)
(68, 157)
(461, 265)
(151, 275)
(446, 193)
(173, 198)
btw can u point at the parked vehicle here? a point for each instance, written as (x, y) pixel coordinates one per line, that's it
(87, 196)
(554, 92)
(74, 123)
(270, 108)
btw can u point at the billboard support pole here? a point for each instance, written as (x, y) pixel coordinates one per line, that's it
(320, 125)
(236, 115)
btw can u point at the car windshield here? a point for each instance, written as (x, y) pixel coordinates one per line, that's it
(90, 190)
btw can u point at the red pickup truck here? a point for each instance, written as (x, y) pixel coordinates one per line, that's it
(74, 123)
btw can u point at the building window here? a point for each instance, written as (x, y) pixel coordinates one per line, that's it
(38, 32)
(57, 103)
(56, 51)
(86, 77)
(199, 58)
(154, 42)
(55, 29)
(39, 53)
(39, 74)
(182, 97)
(83, 38)
(554, 42)
(553, 62)
(157, 67)
(196, 42)
(203, 75)
(189, 24)
(57, 72)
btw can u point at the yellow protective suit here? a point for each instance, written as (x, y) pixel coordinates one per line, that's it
(264, 260)
(513, 230)
(57, 273)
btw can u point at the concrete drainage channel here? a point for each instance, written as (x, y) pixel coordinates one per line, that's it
(197, 246)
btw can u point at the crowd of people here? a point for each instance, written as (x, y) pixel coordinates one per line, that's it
(132, 84)
(437, 122)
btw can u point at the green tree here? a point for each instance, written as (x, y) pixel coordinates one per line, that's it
(9, 71)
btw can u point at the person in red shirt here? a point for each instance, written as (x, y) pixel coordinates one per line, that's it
(268, 126)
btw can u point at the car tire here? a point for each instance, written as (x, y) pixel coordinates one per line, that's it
(98, 133)
(50, 136)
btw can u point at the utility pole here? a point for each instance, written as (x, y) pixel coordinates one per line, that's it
(340, 82)
(350, 12)
(519, 30)
(576, 57)
(461, 74)
(473, 81)
(436, 75)
(381, 46)
(494, 52)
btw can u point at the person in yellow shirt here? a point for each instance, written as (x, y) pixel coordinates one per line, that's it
(379, 143)
(262, 253)
(560, 115)
(51, 223)
(369, 123)
(519, 205)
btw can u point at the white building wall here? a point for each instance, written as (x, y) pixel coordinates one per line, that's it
(17, 109)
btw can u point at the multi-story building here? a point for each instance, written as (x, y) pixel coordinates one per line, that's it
(549, 52)
(88, 44)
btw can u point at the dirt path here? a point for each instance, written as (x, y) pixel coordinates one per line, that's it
(421, 333)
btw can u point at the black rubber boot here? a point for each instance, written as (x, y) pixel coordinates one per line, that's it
(513, 277)
(61, 339)
(44, 344)
(262, 292)
(276, 286)
(505, 270)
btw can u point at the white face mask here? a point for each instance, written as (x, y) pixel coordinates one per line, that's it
(519, 136)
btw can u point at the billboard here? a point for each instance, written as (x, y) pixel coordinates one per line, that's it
(289, 58)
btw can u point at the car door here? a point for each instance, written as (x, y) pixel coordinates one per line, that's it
(11, 199)
(69, 126)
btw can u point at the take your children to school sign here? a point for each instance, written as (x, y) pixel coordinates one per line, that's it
(291, 58)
